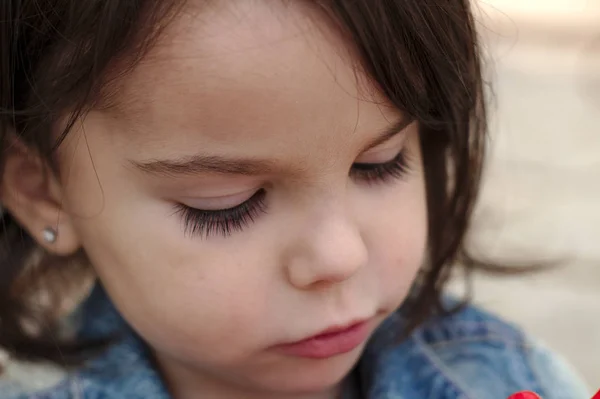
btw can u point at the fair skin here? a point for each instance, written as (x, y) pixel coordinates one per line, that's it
(263, 82)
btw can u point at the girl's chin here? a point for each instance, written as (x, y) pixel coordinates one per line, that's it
(312, 376)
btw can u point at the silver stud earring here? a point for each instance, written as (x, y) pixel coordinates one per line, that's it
(49, 235)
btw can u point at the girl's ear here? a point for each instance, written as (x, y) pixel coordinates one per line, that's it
(32, 194)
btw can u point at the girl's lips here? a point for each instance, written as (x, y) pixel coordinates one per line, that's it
(333, 341)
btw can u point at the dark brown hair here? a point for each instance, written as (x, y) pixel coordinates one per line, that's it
(55, 56)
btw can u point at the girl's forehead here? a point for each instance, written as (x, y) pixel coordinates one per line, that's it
(249, 71)
(242, 43)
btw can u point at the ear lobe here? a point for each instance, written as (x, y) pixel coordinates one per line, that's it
(32, 194)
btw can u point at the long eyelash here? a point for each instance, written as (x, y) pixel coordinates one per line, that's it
(382, 172)
(223, 222)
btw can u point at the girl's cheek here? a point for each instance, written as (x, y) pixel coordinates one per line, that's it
(405, 254)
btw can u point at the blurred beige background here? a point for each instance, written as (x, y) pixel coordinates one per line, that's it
(541, 197)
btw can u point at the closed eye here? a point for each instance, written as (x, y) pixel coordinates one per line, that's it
(224, 222)
(382, 172)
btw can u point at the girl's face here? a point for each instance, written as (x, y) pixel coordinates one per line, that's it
(248, 188)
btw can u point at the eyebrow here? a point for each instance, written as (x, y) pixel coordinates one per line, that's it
(198, 164)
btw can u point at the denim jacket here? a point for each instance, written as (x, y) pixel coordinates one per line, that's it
(467, 355)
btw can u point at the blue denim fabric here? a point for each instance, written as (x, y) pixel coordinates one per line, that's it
(468, 355)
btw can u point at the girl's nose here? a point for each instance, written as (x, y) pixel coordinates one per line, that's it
(329, 251)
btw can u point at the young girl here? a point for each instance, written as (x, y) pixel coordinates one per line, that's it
(269, 194)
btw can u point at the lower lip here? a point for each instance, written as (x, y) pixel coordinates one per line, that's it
(328, 345)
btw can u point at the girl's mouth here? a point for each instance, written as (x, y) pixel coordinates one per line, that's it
(330, 342)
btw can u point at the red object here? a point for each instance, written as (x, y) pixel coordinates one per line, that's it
(597, 395)
(331, 342)
(525, 395)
